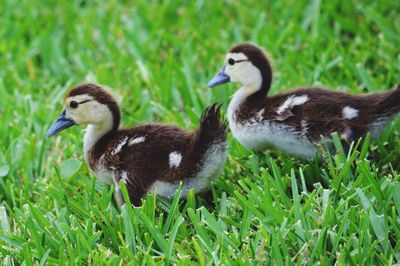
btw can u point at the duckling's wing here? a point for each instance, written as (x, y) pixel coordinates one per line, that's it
(291, 105)
(127, 158)
(317, 112)
(314, 129)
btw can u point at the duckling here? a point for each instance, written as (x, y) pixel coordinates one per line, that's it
(297, 121)
(149, 157)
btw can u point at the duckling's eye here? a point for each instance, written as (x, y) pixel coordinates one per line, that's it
(231, 61)
(73, 104)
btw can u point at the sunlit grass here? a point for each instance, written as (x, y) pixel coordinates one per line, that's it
(158, 57)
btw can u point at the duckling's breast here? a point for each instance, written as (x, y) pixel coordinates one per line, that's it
(104, 175)
(101, 171)
(266, 134)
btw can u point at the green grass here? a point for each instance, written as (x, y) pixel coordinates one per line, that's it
(158, 57)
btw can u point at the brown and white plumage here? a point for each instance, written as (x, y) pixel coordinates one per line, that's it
(148, 158)
(295, 121)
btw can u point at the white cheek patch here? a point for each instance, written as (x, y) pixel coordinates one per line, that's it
(96, 112)
(291, 102)
(174, 159)
(89, 111)
(236, 71)
(79, 98)
(119, 146)
(244, 72)
(136, 140)
(349, 112)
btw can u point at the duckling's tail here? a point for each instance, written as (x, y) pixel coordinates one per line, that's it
(389, 102)
(212, 128)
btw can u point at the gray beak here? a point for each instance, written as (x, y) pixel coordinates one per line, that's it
(60, 124)
(219, 79)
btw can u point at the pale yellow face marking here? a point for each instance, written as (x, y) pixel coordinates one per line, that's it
(88, 111)
(243, 72)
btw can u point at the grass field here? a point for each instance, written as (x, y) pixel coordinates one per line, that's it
(158, 56)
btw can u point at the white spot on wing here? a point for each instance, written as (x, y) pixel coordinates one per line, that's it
(119, 146)
(349, 112)
(211, 166)
(291, 102)
(174, 159)
(136, 140)
(260, 115)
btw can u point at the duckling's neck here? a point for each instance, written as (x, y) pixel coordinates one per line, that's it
(94, 133)
(108, 121)
(256, 85)
(250, 90)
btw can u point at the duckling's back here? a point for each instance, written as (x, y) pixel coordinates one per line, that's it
(158, 157)
(387, 103)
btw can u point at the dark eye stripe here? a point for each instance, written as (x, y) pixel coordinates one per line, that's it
(74, 104)
(232, 61)
(85, 101)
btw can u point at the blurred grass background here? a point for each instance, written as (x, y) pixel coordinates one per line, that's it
(158, 57)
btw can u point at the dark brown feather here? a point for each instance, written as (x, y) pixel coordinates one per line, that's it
(144, 162)
(148, 161)
(323, 110)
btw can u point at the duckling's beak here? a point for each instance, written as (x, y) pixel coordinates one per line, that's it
(60, 124)
(219, 79)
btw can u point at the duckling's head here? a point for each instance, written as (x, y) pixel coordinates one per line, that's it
(247, 64)
(88, 104)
